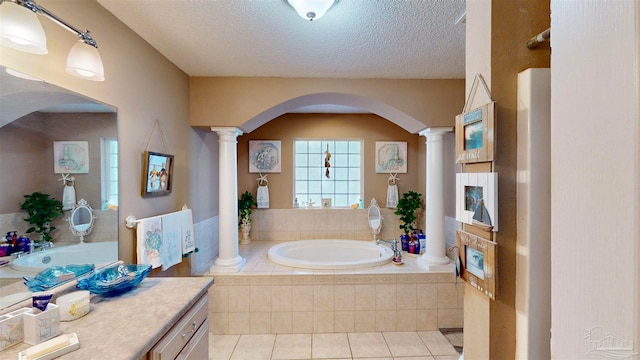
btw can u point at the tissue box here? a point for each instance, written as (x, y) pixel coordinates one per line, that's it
(43, 326)
(12, 328)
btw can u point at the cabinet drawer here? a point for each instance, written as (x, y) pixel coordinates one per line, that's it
(175, 339)
(198, 347)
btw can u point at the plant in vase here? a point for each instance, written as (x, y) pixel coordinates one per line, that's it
(245, 203)
(42, 210)
(407, 207)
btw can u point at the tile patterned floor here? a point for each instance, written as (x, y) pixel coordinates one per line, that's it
(420, 345)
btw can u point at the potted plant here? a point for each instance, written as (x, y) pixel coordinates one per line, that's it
(245, 203)
(42, 209)
(406, 209)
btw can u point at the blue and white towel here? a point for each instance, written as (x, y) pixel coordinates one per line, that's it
(149, 241)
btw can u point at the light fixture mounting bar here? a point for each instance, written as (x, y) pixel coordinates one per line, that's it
(85, 36)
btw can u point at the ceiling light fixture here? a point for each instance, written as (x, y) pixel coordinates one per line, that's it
(20, 29)
(311, 9)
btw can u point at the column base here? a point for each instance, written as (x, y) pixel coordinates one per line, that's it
(228, 266)
(437, 264)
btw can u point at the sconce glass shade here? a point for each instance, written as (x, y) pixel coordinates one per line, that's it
(84, 61)
(20, 29)
(311, 9)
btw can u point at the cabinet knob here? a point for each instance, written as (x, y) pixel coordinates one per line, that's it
(193, 324)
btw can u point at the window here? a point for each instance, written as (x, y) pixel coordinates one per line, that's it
(344, 184)
(109, 163)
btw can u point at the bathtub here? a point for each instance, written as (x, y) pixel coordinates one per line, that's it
(99, 253)
(330, 254)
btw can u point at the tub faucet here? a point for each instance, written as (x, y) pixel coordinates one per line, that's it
(33, 246)
(393, 244)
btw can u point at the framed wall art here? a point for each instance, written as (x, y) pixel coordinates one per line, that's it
(157, 174)
(478, 259)
(265, 156)
(391, 157)
(477, 200)
(71, 157)
(475, 135)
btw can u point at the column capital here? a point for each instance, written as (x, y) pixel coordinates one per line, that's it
(435, 131)
(227, 131)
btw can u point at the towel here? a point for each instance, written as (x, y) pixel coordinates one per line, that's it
(149, 241)
(171, 249)
(263, 197)
(392, 196)
(188, 237)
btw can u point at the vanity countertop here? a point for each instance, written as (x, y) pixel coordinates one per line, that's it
(127, 326)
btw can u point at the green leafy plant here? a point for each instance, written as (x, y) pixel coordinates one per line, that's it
(406, 209)
(42, 209)
(245, 203)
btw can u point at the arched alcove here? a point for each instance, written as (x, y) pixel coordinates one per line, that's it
(318, 100)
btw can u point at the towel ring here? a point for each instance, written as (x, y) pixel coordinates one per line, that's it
(262, 180)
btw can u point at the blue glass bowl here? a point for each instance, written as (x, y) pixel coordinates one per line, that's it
(115, 280)
(56, 275)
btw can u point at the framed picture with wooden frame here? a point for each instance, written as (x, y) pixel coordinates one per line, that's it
(475, 135)
(157, 174)
(478, 258)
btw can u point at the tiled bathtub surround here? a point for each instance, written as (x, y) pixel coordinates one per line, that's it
(266, 298)
(318, 223)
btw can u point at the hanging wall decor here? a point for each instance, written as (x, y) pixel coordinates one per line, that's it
(265, 156)
(477, 200)
(391, 157)
(478, 258)
(157, 174)
(71, 157)
(475, 129)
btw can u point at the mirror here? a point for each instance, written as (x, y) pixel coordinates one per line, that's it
(81, 219)
(34, 115)
(375, 218)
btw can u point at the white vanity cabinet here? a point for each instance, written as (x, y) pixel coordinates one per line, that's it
(188, 338)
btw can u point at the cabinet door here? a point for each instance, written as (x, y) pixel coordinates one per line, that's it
(198, 347)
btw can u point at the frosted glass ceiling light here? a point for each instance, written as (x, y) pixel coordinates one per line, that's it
(20, 29)
(84, 61)
(311, 9)
(18, 17)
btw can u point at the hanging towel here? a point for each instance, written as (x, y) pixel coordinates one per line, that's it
(188, 237)
(171, 249)
(263, 197)
(392, 196)
(149, 241)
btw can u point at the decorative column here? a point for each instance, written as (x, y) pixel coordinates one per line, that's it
(229, 259)
(435, 255)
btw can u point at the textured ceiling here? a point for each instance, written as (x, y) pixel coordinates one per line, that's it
(396, 39)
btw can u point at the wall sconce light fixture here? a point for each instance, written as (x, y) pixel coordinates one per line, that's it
(20, 29)
(311, 9)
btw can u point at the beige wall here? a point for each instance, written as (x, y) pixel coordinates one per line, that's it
(248, 103)
(144, 86)
(368, 127)
(26, 153)
(497, 32)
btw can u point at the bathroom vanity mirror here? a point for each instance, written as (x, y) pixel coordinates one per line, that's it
(33, 115)
(81, 219)
(375, 218)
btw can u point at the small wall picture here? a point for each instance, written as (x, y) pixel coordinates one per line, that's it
(391, 157)
(477, 200)
(326, 202)
(478, 259)
(157, 174)
(475, 135)
(265, 156)
(71, 157)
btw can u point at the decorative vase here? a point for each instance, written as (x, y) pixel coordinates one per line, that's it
(245, 228)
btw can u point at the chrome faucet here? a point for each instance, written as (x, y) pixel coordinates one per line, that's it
(34, 246)
(393, 244)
